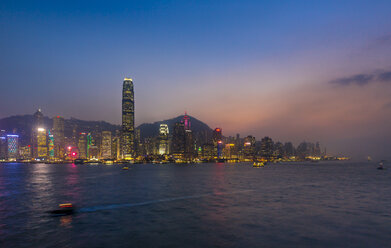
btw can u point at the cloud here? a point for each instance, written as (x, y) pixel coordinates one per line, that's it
(384, 76)
(363, 79)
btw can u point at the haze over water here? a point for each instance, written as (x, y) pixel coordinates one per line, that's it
(326, 204)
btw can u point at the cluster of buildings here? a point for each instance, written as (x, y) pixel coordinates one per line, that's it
(176, 143)
(182, 146)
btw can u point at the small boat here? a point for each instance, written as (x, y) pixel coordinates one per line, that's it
(380, 166)
(65, 209)
(258, 164)
(125, 168)
(78, 161)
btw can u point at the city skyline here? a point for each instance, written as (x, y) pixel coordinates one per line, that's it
(293, 70)
(52, 140)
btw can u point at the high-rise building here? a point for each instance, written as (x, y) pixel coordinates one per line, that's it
(208, 151)
(218, 142)
(50, 145)
(289, 150)
(42, 148)
(106, 145)
(178, 140)
(138, 146)
(189, 145)
(25, 152)
(267, 150)
(163, 139)
(305, 149)
(3, 145)
(82, 146)
(278, 149)
(38, 123)
(59, 139)
(229, 151)
(317, 151)
(89, 144)
(13, 147)
(116, 146)
(249, 147)
(128, 119)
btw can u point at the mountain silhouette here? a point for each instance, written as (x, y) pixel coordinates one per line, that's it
(23, 124)
(198, 127)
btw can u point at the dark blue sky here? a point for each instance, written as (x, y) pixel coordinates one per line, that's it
(247, 66)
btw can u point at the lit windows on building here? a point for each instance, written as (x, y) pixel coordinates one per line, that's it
(13, 147)
(163, 139)
(82, 146)
(128, 139)
(59, 137)
(106, 145)
(42, 148)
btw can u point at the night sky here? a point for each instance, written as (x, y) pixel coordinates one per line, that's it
(292, 70)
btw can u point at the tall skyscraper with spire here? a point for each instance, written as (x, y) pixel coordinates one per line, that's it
(128, 119)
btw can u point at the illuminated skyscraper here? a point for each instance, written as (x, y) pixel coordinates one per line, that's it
(13, 147)
(137, 142)
(217, 142)
(116, 146)
(128, 119)
(25, 152)
(42, 149)
(106, 145)
(37, 123)
(59, 139)
(89, 144)
(189, 145)
(82, 146)
(3, 145)
(163, 139)
(178, 140)
(51, 145)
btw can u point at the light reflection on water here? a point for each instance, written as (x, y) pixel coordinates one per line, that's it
(219, 205)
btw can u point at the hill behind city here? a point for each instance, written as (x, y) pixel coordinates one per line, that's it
(22, 125)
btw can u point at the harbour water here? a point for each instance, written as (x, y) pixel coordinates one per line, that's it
(326, 204)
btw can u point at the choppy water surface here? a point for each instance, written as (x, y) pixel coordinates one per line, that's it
(206, 205)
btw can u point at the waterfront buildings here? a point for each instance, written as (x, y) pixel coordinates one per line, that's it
(59, 140)
(128, 119)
